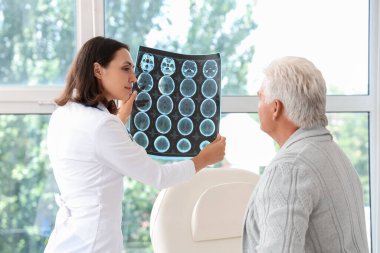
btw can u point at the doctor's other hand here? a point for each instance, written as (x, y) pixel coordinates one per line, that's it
(125, 108)
(212, 153)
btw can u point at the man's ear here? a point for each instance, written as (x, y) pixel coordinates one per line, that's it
(278, 108)
(97, 70)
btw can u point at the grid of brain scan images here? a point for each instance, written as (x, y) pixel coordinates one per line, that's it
(177, 110)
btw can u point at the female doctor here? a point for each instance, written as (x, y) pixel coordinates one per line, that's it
(91, 151)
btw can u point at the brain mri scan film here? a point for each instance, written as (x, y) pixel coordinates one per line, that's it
(143, 101)
(189, 69)
(185, 126)
(161, 144)
(166, 85)
(163, 124)
(209, 88)
(208, 108)
(186, 107)
(147, 62)
(207, 127)
(145, 82)
(142, 121)
(183, 145)
(210, 68)
(203, 144)
(177, 110)
(165, 104)
(141, 139)
(188, 87)
(168, 66)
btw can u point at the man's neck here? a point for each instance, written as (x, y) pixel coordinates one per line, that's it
(284, 132)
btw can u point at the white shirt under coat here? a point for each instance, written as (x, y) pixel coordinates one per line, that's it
(90, 152)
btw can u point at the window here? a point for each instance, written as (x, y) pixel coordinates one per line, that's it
(37, 39)
(40, 38)
(321, 31)
(38, 44)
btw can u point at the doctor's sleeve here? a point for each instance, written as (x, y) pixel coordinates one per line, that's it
(115, 149)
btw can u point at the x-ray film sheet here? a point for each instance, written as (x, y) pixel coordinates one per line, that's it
(177, 110)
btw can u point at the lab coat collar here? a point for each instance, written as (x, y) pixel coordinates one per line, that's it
(102, 107)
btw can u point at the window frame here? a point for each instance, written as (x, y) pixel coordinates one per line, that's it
(90, 23)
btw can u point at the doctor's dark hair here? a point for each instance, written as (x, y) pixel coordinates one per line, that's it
(81, 84)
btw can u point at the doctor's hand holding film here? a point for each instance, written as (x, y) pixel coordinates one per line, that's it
(212, 153)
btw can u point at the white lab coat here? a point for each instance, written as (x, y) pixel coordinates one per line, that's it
(90, 152)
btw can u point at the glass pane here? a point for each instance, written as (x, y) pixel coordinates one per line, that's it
(38, 41)
(249, 34)
(323, 32)
(250, 148)
(27, 211)
(189, 27)
(137, 205)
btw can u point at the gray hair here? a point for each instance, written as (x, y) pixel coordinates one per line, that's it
(300, 86)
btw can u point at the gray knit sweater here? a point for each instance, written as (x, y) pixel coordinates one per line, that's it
(309, 200)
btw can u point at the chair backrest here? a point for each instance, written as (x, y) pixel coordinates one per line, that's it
(203, 215)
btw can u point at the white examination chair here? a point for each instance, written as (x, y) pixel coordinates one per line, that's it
(203, 215)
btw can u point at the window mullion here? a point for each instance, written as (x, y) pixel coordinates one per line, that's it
(248, 104)
(374, 88)
(28, 100)
(90, 20)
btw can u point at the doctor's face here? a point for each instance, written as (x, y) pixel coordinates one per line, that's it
(117, 78)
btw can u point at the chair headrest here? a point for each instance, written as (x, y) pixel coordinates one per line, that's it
(219, 211)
